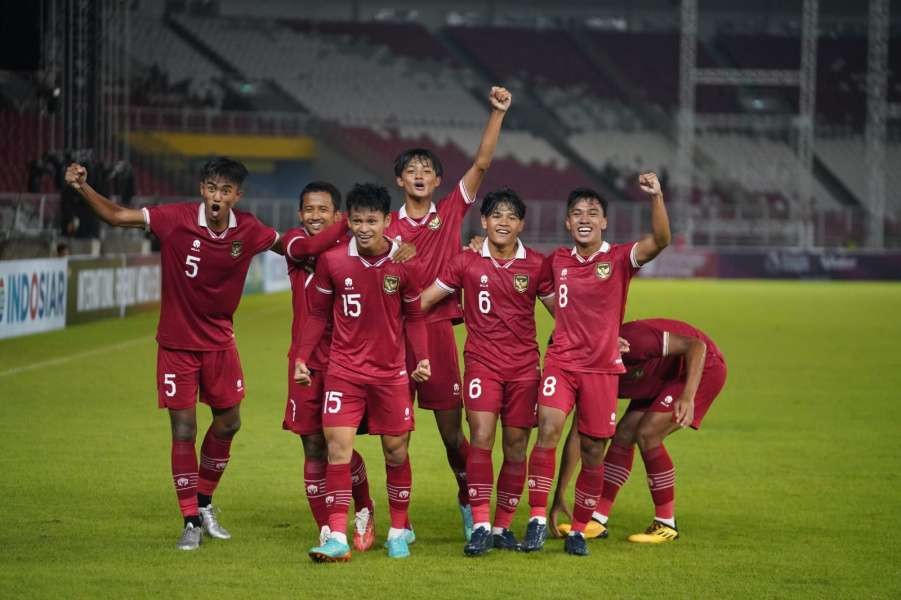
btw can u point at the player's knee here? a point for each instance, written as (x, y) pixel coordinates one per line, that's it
(515, 450)
(395, 454)
(184, 432)
(481, 439)
(549, 431)
(648, 437)
(624, 438)
(228, 429)
(592, 449)
(314, 447)
(339, 452)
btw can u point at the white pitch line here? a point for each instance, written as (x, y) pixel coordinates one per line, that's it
(64, 359)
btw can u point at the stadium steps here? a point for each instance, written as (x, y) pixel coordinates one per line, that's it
(532, 113)
(652, 115)
(270, 95)
(831, 181)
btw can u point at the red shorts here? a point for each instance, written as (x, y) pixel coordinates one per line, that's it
(303, 410)
(216, 373)
(712, 381)
(442, 390)
(388, 409)
(593, 395)
(515, 401)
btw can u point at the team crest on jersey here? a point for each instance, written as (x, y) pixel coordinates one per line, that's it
(390, 284)
(237, 246)
(435, 224)
(520, 283)
(602, 270)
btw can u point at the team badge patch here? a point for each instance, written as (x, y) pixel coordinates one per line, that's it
(237, 246)
(602, 270)
(520, 283)
(435, 224)
(390, 284)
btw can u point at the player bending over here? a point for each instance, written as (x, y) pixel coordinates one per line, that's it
(583, 360)
(673, 374)
(436, 233)
(500, 284)
(375, 306)
(205, 253)
(322, 227)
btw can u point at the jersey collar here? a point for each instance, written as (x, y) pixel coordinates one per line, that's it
(201, 221)
(353, 251)
(605, 247)
(520, 254)
(402, 214)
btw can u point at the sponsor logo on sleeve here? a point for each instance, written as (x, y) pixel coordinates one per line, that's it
(520, 283)
(603, 270)
(390, 284)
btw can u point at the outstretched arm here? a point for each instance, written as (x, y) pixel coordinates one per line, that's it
(297, 248)
(695, 352)
(109, 212)
(432, 296)
(650, 246)
(500, 100)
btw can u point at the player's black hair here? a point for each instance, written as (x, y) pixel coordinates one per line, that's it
(322, 186)
(226, 168)
(584, 193)
(506, 196)
(424, 155)
(369, 195)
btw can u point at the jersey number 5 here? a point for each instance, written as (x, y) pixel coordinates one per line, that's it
(193, 263)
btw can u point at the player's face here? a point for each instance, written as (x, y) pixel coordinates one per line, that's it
(317, 212)
(219, 195)
(368, 228)
(586, 222)
(503, 225)
(419, 179)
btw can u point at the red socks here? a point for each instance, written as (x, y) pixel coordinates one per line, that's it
(457, 458)
(510, 482)
(661, 481)
(337, 498)
(360, 483)
(184, 476)
(542, 462)
(617, 467)
(480, 476)
(314, 485)
(399, 483)
(214, 455)
(588, 488)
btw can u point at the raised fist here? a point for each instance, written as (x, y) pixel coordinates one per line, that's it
(650, 184)
(500, 98)
(76, 175)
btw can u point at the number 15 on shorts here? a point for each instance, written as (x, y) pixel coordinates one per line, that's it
(332, 402)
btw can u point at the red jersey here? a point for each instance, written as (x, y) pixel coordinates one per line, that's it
(203, 273)
(591, 303)
(500, 307)
(649, 367)
(437, 240)
(372, 301)
(301, 250)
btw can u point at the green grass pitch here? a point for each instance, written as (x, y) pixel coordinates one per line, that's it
(791, 489)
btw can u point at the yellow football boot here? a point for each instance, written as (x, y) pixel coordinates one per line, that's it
(657, 533)
(593, 529)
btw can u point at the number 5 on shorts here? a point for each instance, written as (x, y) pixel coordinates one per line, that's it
(169, 382)
(550, 386)
(332, 402)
